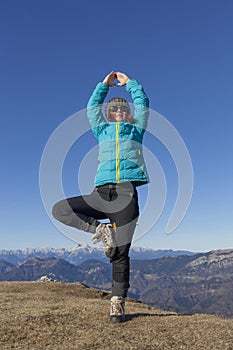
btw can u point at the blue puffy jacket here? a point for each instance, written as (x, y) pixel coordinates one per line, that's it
(120, 143)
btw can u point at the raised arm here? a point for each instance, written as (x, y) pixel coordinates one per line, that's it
(94, 105)
(139, 97)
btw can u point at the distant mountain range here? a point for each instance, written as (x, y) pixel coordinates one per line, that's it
(82, 252)
(193, 283)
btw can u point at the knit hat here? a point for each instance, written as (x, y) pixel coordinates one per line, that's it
(116, 101)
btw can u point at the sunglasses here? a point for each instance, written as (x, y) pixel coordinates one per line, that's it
(122, 108)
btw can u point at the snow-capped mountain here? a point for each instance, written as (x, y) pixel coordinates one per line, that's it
(82, 252)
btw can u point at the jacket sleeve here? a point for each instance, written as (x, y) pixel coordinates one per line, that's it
(94, 108)
(141, 103)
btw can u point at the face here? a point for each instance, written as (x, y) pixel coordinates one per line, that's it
(118, 113)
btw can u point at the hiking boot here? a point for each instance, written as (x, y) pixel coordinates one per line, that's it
(105, 233)
(117, 313)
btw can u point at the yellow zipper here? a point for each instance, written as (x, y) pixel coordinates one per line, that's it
(117, 154)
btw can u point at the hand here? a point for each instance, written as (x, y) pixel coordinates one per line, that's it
(123, 78)
(109, 79)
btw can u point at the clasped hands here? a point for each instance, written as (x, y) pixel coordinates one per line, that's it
(111, 77)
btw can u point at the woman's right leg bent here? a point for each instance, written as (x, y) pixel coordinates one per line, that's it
(80, 212)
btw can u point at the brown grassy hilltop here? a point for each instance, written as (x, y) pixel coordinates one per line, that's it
(60, 316)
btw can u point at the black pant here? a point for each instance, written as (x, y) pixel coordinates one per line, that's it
(119, 204)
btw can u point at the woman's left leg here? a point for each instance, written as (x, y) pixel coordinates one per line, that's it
(81, 212)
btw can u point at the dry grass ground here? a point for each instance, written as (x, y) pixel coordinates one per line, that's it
(60, 316)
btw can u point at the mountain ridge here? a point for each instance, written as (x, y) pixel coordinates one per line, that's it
(81, 252)
(200, 283)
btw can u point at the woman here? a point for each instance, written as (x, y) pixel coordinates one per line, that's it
(120, 170)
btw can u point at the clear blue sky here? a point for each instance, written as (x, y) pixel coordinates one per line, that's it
(52, 55)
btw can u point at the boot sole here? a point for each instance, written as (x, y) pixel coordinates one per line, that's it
(117, 319)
